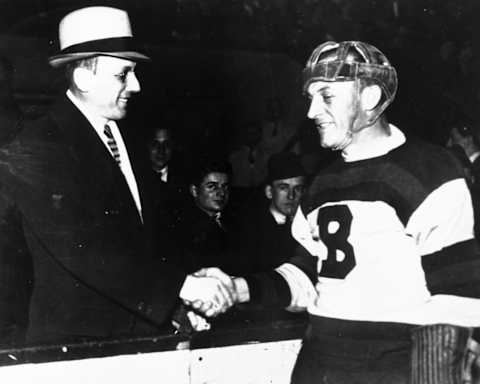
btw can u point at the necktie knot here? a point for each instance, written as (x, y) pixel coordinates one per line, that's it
(112, 143)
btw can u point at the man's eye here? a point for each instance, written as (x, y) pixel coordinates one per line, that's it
(121, 76)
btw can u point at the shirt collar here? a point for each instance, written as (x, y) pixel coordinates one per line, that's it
(474, 156)
(98, 122)
(279, 217)
(381, 147)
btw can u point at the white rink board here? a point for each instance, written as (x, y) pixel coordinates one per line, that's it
(261, 363)
(156, 367)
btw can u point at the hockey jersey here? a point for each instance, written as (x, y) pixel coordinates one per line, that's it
(391, 232)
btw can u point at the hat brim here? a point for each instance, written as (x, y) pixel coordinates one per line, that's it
(124, 47)
(60, 60)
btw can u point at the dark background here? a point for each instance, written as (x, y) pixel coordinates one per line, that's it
(218, 64)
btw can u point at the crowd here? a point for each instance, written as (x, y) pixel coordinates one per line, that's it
(103, 235)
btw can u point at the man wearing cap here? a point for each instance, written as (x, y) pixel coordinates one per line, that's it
(262, 239)
(77, 259)
(388, 267)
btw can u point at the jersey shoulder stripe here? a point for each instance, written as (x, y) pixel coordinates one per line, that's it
(403, 178)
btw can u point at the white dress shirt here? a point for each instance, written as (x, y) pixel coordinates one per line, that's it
(98, 123)
(279, 217)
(163, 174)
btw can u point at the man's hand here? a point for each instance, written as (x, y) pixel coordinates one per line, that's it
(209, 291)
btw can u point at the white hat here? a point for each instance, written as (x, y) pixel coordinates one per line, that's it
(95, 31)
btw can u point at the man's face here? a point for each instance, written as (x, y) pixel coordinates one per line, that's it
(285, 194)
(111, 87)
(334, 109)
(213, 192)
(160, 149)
(456, 138)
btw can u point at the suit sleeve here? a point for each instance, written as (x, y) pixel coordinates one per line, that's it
(16, 275)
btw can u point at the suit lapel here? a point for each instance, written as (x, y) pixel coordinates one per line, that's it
(99, 177)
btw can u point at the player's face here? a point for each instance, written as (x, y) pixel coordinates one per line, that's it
(334, 109)
(111, 87)
(285, 194)
(213, 192)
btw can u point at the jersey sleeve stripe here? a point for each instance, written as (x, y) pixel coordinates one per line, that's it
(454, 270)
(268, 289)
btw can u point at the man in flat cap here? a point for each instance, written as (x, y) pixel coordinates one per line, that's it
(77, 260)
(263, 238)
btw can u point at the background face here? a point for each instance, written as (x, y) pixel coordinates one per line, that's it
(456, 138)
(111, 87)
(286, 194)
(213, 192)
(160, 148)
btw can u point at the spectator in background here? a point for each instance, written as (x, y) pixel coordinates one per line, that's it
(199, 230)
(168, 168)
(10, 114)
(161, 146)
(262, 239)
(464, 135)
(464, 141)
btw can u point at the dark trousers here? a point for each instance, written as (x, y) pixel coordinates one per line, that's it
(354, 352)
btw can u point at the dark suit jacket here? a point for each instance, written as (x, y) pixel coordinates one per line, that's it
(73, 249)
(196, 240)
(259, 244)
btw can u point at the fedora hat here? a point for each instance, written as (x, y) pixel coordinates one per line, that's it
(95, 31)
(284, 165)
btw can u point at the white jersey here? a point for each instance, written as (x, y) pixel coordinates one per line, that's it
(386, 231)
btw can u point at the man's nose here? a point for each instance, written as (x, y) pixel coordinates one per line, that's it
(133, 85)
(291, 194)
(315, 107)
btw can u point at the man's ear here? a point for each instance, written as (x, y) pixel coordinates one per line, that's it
(83, 77)
(193, 190)
(370, 97)
(268, 192)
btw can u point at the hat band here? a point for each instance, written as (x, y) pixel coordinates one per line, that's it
(114, 44)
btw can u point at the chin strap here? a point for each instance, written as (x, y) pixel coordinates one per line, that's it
(345, 142)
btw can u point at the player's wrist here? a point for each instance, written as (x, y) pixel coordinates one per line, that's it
(242, 290)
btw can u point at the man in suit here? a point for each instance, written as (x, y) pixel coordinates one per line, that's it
(200, 227)
(77, 257)
(263, 239)
(464, 141)
(168, 166)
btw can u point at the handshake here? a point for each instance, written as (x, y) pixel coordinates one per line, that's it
(211, 292)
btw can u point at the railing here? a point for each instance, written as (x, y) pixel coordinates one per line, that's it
(240, 348)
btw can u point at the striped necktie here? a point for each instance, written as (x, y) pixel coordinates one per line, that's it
(112, 144)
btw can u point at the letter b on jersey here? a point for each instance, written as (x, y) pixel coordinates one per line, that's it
(334, 223)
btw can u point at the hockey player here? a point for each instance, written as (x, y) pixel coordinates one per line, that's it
(388, 267)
